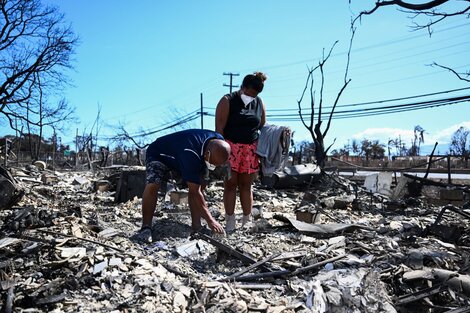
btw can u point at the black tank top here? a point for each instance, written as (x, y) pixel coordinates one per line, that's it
(243, 121)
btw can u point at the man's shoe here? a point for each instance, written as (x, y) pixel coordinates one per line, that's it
(143, 235)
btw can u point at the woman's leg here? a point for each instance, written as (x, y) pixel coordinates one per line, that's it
(230, 193)
(230, 199)
(245, 182)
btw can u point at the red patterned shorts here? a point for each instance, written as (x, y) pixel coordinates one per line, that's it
(243, 158)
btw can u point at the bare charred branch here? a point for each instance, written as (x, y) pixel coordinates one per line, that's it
(429, 9)
(299, 102)
(403, 4)
(312, 101)
(412, 6)
(435, 11)
(346, 82)
(315, 128)
(321, 64)
(125, 136)
(462, 76)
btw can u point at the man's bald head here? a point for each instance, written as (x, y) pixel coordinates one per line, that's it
(219, 151)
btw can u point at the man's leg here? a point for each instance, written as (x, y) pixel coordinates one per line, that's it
(149, 202)
(155, 171)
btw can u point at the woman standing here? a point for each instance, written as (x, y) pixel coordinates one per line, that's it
(238, 117)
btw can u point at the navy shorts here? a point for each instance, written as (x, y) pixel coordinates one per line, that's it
(158, 173)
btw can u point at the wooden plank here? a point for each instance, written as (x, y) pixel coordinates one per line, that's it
(249, 268)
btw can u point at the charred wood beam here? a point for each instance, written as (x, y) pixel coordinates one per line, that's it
(290, 255)
(439, 217)
(283, 273)
(317, 265)
(430, 161)
(249, 268)
(241, 256)
(416, 296)
(398, 169)
(435, 183)
(239, 286)
(263, 275)
(453, 209)
(465, 309)
(82, 239)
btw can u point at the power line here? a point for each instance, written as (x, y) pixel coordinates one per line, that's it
(370, 102)
(392, 100)
(180, 121)
(340, 114)
(231, 78)
(367, 112)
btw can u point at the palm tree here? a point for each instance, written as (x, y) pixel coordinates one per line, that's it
(418, 137)
(377, 150)
(391, 143)
(355, 147)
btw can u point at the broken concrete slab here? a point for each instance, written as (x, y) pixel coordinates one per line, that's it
(379, 183)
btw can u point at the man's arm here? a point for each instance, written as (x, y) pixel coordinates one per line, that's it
(198, 207)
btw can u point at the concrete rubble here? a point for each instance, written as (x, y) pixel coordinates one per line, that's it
(65, 247)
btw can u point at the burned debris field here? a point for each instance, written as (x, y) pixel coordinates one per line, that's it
(329, 245)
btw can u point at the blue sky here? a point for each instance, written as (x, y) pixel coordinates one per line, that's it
(146, 62)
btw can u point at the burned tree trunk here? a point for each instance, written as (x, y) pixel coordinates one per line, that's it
(313, 127)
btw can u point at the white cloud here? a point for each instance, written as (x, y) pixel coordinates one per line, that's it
(442, 136)
(385, 134)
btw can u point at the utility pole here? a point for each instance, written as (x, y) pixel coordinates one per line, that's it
(76, 148)
(231, 79)
(54, 147)
(6, 152)
(202, 113)
(18, 142)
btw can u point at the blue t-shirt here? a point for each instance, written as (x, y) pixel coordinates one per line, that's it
(183, 151)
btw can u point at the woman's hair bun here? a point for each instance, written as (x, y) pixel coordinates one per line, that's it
(261, 75)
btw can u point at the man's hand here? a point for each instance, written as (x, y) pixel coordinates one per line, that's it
(216, 227)
(198, 207)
